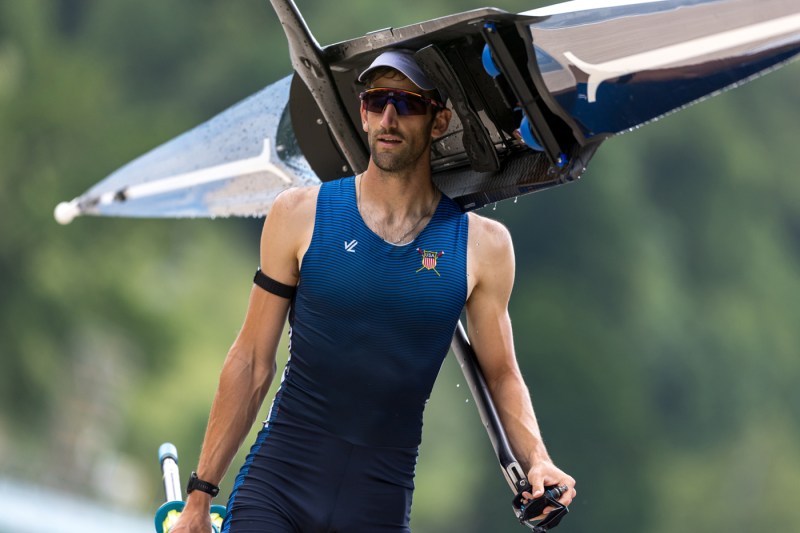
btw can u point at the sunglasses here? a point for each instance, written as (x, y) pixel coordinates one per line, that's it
(404, 102)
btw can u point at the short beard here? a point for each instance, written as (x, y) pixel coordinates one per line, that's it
(396, 162)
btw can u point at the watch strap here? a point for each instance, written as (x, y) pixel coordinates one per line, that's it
(195, 483)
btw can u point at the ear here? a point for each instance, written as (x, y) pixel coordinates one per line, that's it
(441, 121)
(364, 123)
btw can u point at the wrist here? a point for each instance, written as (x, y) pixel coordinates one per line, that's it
(197, 484)
(198, 500)
(537, 455)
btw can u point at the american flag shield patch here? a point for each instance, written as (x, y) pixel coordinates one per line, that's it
(429, 260)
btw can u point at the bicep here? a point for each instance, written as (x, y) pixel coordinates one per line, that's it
(488, 321)
(267, 312)
(263, 325)
(280, 238)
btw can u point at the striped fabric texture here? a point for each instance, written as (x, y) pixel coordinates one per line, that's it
(372, 322)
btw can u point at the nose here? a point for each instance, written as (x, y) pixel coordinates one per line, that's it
(388, 115)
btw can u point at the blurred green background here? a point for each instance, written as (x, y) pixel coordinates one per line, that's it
(655, 307)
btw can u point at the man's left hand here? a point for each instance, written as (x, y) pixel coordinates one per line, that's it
(543, 474)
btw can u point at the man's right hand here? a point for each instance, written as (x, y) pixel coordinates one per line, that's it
(195, 517)
(192, 523)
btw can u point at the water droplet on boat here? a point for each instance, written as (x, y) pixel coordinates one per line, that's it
(516, 198)
(466, 401)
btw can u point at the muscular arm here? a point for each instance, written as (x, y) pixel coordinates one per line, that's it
(491, 266)
(250, 367)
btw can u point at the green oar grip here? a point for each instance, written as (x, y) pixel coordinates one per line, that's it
(167, 515)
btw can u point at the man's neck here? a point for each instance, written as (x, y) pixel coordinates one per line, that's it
(396, 207)
(396, 195)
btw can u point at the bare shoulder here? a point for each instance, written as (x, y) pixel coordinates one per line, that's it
(292, 210)
(296, 202)
(488, 236)
(287, 232)
(490, 257)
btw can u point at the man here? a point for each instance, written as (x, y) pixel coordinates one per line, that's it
(373, 272)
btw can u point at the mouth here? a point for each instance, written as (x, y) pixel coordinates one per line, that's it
(389, 140)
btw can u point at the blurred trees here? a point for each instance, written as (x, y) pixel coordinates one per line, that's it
(655, 302)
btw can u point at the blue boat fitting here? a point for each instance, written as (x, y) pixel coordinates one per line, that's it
(488, 62)
(527, 135)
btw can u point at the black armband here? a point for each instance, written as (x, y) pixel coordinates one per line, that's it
(275, 287)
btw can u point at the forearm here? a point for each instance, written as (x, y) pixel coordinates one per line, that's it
(492, 340)
(242, 388)
(513, 403)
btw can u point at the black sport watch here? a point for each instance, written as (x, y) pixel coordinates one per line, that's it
(195, 483)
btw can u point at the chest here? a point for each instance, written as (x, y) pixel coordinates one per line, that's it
(348, 269)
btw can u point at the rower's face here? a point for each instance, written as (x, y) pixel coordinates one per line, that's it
(398, 142)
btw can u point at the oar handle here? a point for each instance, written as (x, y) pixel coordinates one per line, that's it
(512, 470)
(168, 457)
(167, 515)
(515, 476)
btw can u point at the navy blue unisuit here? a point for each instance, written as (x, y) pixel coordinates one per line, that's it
(371, 323)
